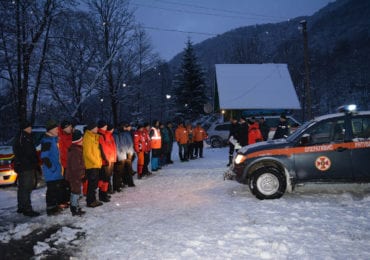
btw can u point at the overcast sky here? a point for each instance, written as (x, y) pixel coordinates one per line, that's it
(170, 22)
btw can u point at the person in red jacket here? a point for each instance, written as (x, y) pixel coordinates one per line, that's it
(254, 133)
(142, 149)
(65, 130)
(111, 155)
(139, 143)
(147, 148)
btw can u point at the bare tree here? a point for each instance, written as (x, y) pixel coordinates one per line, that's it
(115, 31)
(72, 62)
(22, 28)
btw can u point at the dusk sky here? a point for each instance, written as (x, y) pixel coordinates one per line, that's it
(170, 22)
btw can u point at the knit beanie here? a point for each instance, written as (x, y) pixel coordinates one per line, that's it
(76, 136)
(50, 124)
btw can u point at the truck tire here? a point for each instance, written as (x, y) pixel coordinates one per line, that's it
(267, 183)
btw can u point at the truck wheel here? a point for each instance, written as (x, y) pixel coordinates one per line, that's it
(267, 183)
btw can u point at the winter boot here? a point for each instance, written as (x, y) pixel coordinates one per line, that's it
(73, 210)
(76, 211)
(80, 212)
(103, 196)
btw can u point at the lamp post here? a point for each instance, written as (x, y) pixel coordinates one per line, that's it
(307, 97)
(168, 97)
(101, 107)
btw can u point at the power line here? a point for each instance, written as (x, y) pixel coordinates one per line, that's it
(209, 34)
(202, 13)
(223, 10)
(179, 31)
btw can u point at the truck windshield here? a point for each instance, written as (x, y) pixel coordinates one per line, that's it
(300, 130)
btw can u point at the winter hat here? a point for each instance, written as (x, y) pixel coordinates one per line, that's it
(65, 123)
(110, 127)
(91, 125)
(283, 116)
(102, 123)
(50, 124)
(24, 125)
(76, 136)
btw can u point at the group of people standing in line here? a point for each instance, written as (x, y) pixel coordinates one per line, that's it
(75, 163)
(250, 131)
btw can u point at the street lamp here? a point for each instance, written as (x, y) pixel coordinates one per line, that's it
(101, 107)
(168, 97)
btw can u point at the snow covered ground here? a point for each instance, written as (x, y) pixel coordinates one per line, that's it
(187, 211)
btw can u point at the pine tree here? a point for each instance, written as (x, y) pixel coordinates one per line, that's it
(189, 83)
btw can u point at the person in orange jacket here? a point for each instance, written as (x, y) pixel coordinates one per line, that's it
(254, 133)
(182, 139)
(199, 135)
(107, 166)
(110, 151)
(191, 144)
(156, 144)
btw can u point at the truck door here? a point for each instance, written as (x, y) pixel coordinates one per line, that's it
(325, 155)
(360, 125)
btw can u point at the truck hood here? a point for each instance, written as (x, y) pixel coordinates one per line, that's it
(271, 144)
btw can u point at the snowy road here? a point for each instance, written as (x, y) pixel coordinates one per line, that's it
(187, 211)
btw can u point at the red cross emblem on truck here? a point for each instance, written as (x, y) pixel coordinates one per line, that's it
(323, 163)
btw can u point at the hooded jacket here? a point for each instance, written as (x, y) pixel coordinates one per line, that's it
(25, 152)
(91, 151)
(181, 135)
(50, 157)
(108, 145)
(254, 133)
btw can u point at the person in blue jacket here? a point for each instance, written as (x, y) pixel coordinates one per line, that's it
(52, 168)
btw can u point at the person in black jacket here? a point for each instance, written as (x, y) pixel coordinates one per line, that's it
(282, 129)
(171, 135)
(264, 128)
(243, 132)
(234, 132)
(25, 164)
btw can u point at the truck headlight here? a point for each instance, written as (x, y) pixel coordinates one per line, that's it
(239, 159)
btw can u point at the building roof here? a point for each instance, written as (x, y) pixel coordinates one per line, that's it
(255, 86)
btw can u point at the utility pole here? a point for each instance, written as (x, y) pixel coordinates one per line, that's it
(307, 89)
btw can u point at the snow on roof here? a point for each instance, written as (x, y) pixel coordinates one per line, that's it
(255, 86)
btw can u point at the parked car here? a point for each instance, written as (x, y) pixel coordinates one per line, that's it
(218, 132)
(329, 148)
